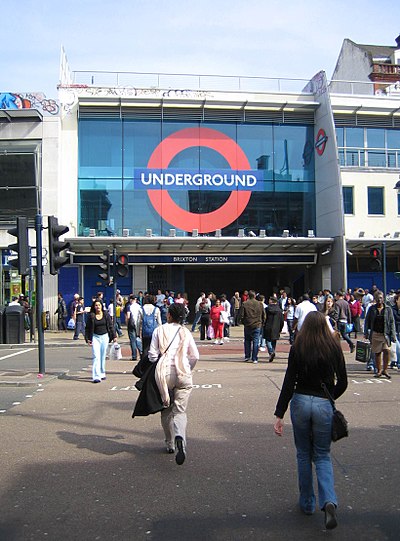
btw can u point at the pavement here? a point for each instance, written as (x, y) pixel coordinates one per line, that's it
(76, 466)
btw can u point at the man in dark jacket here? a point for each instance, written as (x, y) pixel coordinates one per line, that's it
(380, 329)
(273, 326)
(252, 315)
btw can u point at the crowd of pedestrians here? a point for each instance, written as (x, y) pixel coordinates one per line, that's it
(165, 352)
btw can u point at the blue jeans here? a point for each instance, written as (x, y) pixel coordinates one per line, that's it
(271, 346)
(132, 341)
(312, 424)
(345, 336)
(196, 320)
(251, 343)
(79, 329)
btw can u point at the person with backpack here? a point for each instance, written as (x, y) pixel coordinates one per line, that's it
(151, 319)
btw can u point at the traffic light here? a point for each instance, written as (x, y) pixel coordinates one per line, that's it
(56, 246)
(105, 266)
(21, 246)
(375, 262)
(122, 265)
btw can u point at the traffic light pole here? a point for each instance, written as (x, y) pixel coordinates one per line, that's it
(114, 257)
(39, 292)
(384, 267)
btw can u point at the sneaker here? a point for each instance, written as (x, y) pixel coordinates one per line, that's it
(263, 349)
(216, 342)
(352, 348)
(255, 362)
(271, 357)
(330, 516)
(247, 360)
(221, 342)
(180, 455)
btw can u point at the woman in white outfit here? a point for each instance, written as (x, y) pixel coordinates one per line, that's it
(173, 346)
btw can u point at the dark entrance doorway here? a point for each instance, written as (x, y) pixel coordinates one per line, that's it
(228, 279)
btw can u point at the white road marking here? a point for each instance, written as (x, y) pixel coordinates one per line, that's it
(16, 353)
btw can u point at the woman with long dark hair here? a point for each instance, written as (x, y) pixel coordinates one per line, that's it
(315, 358)
(98, 333)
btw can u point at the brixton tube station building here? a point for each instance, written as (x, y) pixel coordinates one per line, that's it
(211, 182)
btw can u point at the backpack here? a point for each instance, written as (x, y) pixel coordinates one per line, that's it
(149, 323)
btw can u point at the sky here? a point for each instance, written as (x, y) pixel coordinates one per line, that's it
(257, 38)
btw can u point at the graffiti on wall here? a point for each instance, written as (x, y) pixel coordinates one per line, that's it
(69, 94)
(10, 100)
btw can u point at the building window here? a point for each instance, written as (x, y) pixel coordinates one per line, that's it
(368, 147)
(375, 201)
(348, 205)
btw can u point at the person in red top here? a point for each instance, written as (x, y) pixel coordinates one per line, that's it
(245, 296)
(356, 311)
(216, 323)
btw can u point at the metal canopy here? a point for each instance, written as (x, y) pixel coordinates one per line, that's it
(200, 245)
(362, 245)
(20, 114)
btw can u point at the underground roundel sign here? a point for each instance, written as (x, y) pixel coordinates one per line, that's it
(176, 215)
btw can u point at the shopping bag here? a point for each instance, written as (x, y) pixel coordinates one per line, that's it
(115, 352)
(363, 351)
(210, 332)
(71, 324)
(349, 328)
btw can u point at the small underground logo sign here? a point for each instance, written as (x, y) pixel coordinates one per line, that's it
(237, 160)
(320, 141)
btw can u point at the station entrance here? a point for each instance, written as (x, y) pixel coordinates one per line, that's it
(230, 278)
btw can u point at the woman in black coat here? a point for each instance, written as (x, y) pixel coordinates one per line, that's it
(273, 326)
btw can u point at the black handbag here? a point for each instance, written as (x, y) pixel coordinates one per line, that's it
(340, 426)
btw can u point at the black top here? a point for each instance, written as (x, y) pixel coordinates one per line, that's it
(379, 323)
(100, 326)
(297, 380)
(97, 326)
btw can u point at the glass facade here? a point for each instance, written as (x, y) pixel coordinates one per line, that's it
(114, 153)
(368, 147)
(19, 177)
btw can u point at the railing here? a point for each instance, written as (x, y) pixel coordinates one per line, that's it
(188, 81)
(386, 69)
(371, 157)
(226, 83)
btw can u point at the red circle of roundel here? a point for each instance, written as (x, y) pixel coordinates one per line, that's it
(173, 213)
(320, 142)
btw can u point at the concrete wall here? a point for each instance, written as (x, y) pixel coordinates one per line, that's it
(373, 226)
(353, 64)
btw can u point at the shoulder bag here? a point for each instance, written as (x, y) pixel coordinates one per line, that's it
(340, 428)
(143, 365)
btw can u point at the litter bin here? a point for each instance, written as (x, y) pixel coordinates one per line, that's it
(14, 324)
(2, 324)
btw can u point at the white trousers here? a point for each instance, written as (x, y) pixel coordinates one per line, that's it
(174, 418)
(99, 350)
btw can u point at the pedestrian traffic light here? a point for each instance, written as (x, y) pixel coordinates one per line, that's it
(105, 266)
(21, 247)
(122, 265)
(375, 262)
(56, 246)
